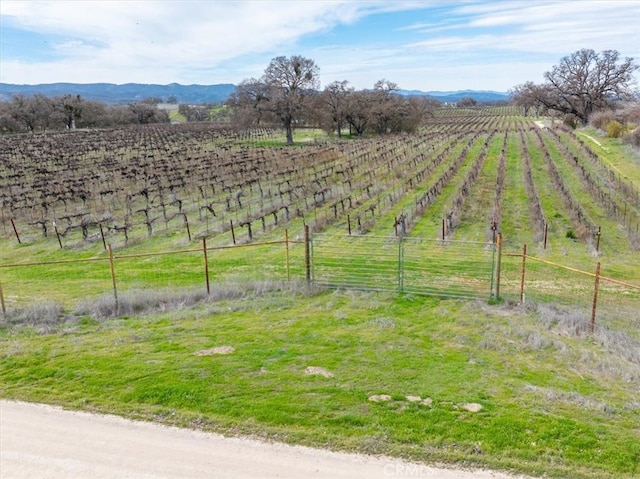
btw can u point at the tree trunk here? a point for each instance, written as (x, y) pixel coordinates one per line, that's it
(289, 130)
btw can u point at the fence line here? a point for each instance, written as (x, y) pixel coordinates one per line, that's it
(597, 277)
(401, 264)
(112, 259)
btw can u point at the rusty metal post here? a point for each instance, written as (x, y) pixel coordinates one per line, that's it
(113, 280)
(104, 242)
(15, 230)
(498, 265)
(4, 308)
(286, 245)
(55, 227)
(206, 264)
(595, 299)
(186, 224)
(233, 233)
(524, 260)
(307, 253)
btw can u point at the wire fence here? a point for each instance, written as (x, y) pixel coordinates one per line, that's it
(444, 268)
(593, 295)
(73, 281)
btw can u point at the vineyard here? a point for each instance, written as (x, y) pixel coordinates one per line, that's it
(469, 175)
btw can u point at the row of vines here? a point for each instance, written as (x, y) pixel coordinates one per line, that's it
(465, 174)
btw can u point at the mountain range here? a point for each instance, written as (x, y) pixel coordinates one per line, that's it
(192, 94)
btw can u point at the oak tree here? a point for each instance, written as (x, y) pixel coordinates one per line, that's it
(582, 83)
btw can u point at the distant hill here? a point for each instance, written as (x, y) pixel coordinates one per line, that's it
(480, 96)
(194, 94)
(127, 93)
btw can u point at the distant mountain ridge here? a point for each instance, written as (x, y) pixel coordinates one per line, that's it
(126, 93)
(193, 94)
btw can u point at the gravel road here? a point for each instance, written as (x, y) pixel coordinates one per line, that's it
(39, 441)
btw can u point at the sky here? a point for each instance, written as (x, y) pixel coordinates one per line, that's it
(428, 45)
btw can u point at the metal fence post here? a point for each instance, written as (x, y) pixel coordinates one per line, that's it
(286, 246)
(401, 264)
(498, 265)
(595, 299)
(307, 253)
(206, 264)
(524, 261)
(4, 309)
(113, 279)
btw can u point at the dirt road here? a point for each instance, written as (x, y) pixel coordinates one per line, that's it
(38, 441)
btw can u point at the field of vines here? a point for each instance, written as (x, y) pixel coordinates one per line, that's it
(467, 175)
(480, 173)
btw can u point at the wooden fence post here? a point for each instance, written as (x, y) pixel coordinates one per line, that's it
(113, 280)
(206, 264)
(595, 299)
(524, 260)
(546, 234)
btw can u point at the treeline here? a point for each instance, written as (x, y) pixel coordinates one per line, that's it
(41, 113)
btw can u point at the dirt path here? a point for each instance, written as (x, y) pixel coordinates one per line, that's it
(49, 442)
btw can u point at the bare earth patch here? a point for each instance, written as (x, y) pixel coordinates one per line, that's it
(380, 398)
(214, 351)
(472, 407)
(315, 370)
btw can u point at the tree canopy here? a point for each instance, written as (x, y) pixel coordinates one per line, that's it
(281, 93)
(580, 84)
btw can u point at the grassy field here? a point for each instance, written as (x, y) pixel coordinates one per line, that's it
(304, 367)
(523, 388)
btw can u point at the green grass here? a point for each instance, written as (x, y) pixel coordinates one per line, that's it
(545, 408)
(556, 401)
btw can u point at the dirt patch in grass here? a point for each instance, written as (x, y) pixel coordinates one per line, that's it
(315, 370)
(214, 351)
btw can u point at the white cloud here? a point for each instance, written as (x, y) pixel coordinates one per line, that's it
(164, 41)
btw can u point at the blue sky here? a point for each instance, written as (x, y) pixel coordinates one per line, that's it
(424, 45)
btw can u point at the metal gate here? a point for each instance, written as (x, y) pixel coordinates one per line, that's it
(405, 265)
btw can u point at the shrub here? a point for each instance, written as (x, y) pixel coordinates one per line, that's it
(615, 129)
(633, 138)
(37, 314)
(601, 119)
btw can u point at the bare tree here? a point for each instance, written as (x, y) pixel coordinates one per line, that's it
(33, 112)
(70, 107)
(334, 99)
(582, 83)
(358, 111)
(281, 92)
(467, 102)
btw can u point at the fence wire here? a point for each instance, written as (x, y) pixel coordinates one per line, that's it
(406, 265)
